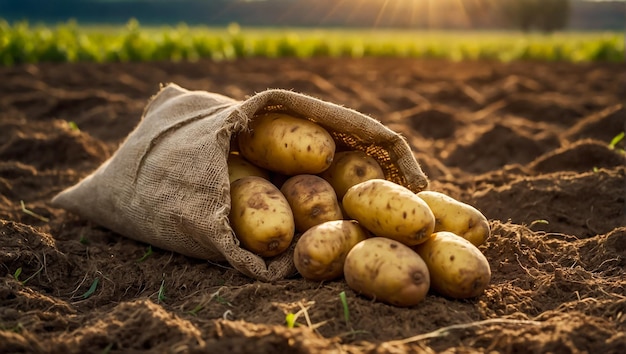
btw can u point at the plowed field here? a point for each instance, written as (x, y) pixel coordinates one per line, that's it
(526, 143)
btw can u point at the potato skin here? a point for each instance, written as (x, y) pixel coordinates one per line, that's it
(239, 167)
(321, 251)
(287, 145)
(457, 217)
(457, 268)
(386, 270)
(260, 216)
(312, 200)
(390, 210)
(350, 168)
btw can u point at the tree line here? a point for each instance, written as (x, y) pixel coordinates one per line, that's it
(544, 15)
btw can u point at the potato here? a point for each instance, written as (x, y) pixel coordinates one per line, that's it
(349, 168)
(286, 144)
(312, 200)
(457, 268)
(457, 217)
(239, 167)
(321, 251)
(260, 216)
(386, 270)
(390, 210)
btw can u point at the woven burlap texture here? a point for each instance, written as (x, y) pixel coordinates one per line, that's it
(167, 185)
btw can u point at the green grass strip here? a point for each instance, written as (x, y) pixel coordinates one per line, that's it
(22, 42)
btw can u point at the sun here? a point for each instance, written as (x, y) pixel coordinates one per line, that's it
(408, 13)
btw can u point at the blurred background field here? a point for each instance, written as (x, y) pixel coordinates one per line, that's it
(22, 42)
(154, 30)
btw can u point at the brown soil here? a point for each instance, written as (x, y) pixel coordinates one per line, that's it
(526, 143)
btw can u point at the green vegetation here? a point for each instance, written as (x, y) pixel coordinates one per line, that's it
(344, 304)
(18, 272)
(92, 289)
(68, 42)
(161, 294)
(146, 254)
(73, 126)
(32, 213)
(539, 221)
(616, 140)
(290, 320)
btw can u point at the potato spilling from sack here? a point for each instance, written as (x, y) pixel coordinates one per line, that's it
(389, 243)
(387, 270)
(321, 251)
(287, 145)
(239, 167)
(390, 210)
(457, 217)
(312, 200)
(260, 216)
(350, 168)
(457, 268)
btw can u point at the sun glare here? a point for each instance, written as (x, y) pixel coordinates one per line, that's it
(414, 13)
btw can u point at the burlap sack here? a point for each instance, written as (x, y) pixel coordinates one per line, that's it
(167, 184)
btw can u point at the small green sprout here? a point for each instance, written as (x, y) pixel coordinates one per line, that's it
(290, 319)
(17, 273)
(32, 276)
(92, 288)
(216, 296)
(145, 255)
(222, 300)
(73, 126)
(107, 349)
(346, 310)
(161, 296)
(18, 328)
(195, 310)
(32, 213)
(539, 221)
(346, 317)
(616, 139)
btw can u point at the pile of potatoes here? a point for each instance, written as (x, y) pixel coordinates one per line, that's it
(389, 243)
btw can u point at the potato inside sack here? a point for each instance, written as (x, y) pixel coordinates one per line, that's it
(312, 200)
(239, 167)
(260, 216)
(390, 210)
(350, 168)
(457, 268)
(321, 251)
(386, 270)
(286, 144)
(457, 217)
